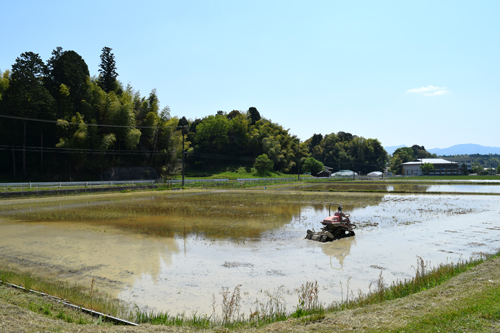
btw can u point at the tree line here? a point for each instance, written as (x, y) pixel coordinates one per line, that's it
(482, 164)
(479, 161)
(57, 121)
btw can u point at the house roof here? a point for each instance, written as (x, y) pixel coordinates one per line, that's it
(429, 160)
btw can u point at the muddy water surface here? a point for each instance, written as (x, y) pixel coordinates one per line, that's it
(406, 188)
(174, 252)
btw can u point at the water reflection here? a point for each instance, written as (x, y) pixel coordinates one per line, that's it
(175, 252)
(403, 188)
(215, 216)
(339, 250)
(75, 253)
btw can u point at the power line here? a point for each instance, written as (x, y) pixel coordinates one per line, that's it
(69, 151)
(86, 124)
(112, 152)
(223, 156)
(83, 150)
(145, 127)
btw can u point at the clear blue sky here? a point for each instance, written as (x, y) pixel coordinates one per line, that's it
(404, 72)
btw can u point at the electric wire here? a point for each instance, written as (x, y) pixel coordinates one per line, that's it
(118, 152)
(86, 124)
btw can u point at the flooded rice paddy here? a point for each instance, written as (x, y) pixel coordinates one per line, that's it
(439, 188)
(174, 251)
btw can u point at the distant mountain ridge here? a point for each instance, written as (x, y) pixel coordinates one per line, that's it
(391, 149)
(465, 149)
(461, 149)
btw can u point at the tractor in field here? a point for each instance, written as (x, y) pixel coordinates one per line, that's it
(335, 226)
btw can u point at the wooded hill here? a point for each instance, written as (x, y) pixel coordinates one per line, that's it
(58, 122)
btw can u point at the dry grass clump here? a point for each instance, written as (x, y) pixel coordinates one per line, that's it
(230, 304)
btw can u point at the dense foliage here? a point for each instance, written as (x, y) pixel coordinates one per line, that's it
(312, 166)
(58, 122)
(427, 167)
(481, 163)
(63, 123)
(406, 154)
(344, 151)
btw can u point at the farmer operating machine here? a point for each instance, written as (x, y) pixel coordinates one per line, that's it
(335, 226)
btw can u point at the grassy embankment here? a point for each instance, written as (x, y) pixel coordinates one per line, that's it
(273, 179)
(231, 176)
(242, 173)
(478, 310)
(86, 297)
(235, 174)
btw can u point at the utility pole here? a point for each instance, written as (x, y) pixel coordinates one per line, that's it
(183, 153)
(298, 160)
(183, 156)
(41, 152)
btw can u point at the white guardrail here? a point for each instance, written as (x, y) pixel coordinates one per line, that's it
(165, 182)
(69, 184)
(131, 182)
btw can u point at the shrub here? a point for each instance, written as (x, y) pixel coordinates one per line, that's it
(263, 164)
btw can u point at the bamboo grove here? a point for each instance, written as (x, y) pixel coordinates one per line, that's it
(57, 122)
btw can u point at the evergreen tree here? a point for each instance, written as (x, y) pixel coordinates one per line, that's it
(26, 96)
(107, 70)
(315, 140)
(263, 164)
(183, 122)
(70, 69)
(254, 114)
(4, 81)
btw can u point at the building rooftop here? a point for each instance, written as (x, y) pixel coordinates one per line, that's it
(429, 160)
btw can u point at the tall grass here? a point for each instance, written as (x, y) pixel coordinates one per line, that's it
(425, 278)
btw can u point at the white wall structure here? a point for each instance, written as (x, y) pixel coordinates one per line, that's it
(466, 161)
(441, 167)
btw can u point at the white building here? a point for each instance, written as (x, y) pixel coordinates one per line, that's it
(461, 160)
(441, 167)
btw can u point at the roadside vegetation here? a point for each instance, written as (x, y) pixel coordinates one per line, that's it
(239, 173)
